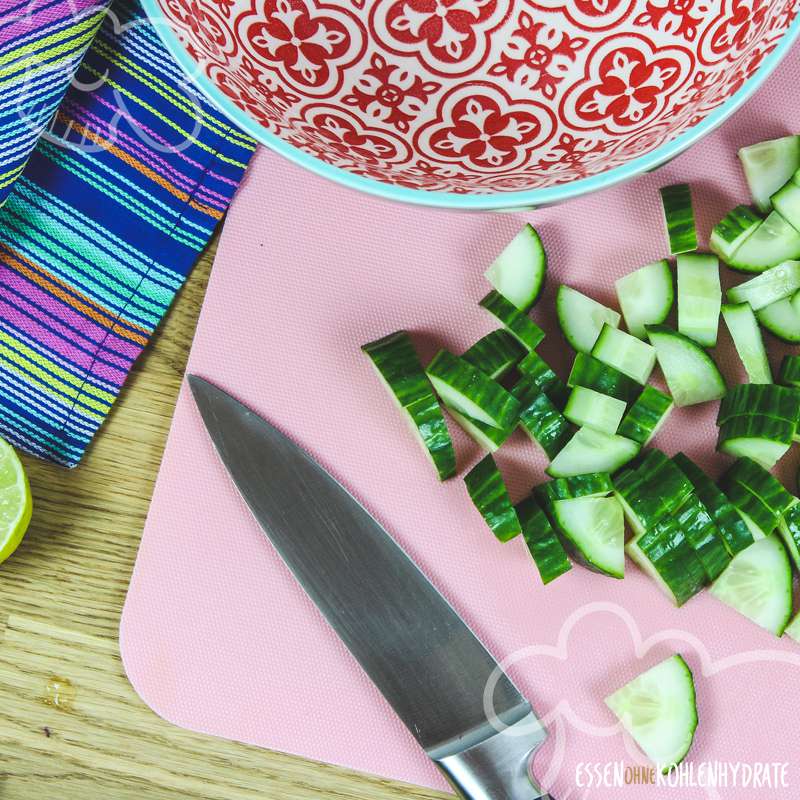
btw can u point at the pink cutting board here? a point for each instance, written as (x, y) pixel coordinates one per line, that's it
(217, 637)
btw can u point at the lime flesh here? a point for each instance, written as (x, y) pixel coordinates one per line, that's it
(15, 501)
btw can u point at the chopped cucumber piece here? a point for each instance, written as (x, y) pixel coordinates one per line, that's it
(592, 484)
(732, 528)
(760, 519)
(664, 553)
(592, 451)
(781, 320)
(516, 322)
(743, 327)
(764, 439)
(762, 483)
(400, 370)
(594, 374)
(652, 490)
(631, 356)
(728, 234)
(486, 436)
(518, 272)
(758, 584)
(699, 297)
(595, 528)
(471, 392)
(645, 296)
(542, 541)
(786, 201)
(760, 399)
(659, 710)
(495, 354)
(690, 372)
(789, 528)
(489, 494)
(697, 525)
(545, 424)
(793, 629)
(582, 318)
(790, 371)
(768, 165)
(594, 410)
(538, 371)
(646, 416)
(679, 218)
(770, 286)
(772, 242)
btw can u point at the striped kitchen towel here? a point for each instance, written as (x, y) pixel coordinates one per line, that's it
(41, 45)
(122, 191)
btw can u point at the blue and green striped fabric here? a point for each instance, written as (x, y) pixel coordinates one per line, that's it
(101, 227)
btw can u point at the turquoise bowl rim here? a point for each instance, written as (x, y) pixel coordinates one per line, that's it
(530, 198)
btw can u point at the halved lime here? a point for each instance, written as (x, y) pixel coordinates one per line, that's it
(15, 501)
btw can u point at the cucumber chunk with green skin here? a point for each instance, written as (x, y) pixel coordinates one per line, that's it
(546, 425)
(679, 218)
(665, 555)
(518, 273)
(594, 410)
(489, 495)
(690, 372)
(698, 526)
(542, 541)
(582, 318)
(646, 296)
(789, 374)
(762, 483)
(535, 369)
(760, 399)
(771, 243)
(781, 320)
(758, 584)
(592, 451)
(595, 529)
(770, 286)
(594, 374)
(793, 629)
(516, 322)
(699, 297)
(631, 356)
(659, 711)
(764, 439)
(786, 201)
(768, 165)
(732, 230)
(486, 436)
(648, 496)
(400, 370)
(471, 392)
(646, 416)
(789, 529)
(495, 354)
(592, 484)
(748, 341)
(732, 528)
(757, 515)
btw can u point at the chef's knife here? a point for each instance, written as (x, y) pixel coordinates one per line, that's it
(408, 639)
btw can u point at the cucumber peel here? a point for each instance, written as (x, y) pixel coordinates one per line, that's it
(732, 230)
(495, 354)
(542, 541)
(646, 416)
(676, 202)
(489, 495)
(516, 322)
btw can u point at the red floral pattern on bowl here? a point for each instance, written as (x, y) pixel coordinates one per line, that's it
(478, 96)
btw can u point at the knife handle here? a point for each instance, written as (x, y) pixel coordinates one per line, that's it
(498, 766)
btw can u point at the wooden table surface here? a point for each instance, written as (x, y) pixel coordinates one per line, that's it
(71, 726)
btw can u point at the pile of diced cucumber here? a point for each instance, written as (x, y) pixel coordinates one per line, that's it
(739, 535)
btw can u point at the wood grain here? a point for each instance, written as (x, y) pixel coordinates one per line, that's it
(71, 726)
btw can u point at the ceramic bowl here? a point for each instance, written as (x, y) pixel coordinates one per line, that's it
(477, 103)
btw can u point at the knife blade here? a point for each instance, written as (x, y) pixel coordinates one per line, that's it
(415, 648)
